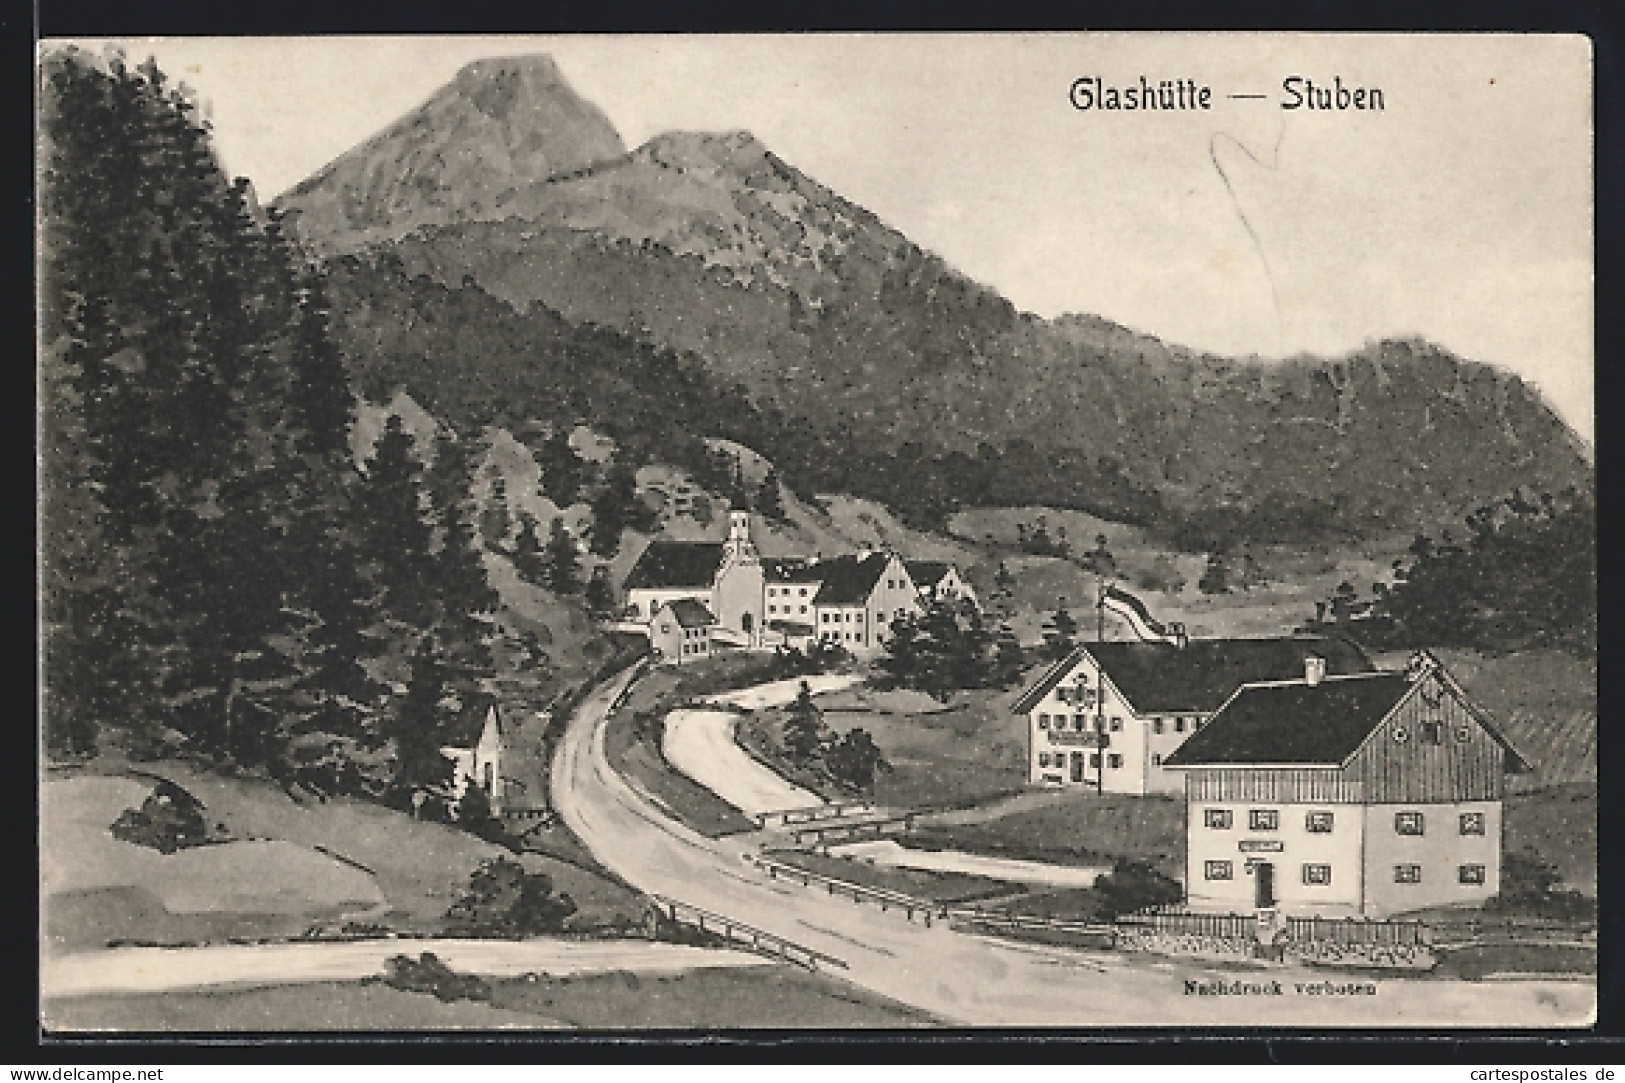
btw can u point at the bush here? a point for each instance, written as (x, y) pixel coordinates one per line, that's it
(170, 819)
(427, 974)
(505, 900)
(1134, 885)
(1529, 886)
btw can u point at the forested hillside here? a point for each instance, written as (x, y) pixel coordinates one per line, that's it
(219, 578)
(896, 377)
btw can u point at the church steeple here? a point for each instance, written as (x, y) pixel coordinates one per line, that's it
(739, 549)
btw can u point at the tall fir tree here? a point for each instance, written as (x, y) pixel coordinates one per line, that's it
(528, 558)
(466, 613)
(561, 560)
(395, 530)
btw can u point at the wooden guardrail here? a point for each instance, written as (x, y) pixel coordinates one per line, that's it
(831, 811)
(1029, 922)
(859, 893)
(825, 832)
(758, 940)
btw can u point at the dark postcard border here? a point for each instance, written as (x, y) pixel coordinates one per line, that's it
(108, 18)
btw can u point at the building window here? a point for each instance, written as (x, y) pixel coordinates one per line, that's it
(1433, 733)
(1043, 721)
(1156, 759)
(1472, 823)
(1179, 725)
(890, 585)
(1263, 819)
(665, 629)
(803, 609)
(1317, 874)
(1114, 760)
(1407, 874)
(1094, 759)
(772, 609)
(802, 592)
(1407, 823)
(1043, 759)
(1156, 725)
(1470, 874)
(1218, 870)
(1317, 823)
(1219, 818)
(1117, 724)
(1077, 721)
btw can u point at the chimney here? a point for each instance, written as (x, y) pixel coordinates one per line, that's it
(1314, 669)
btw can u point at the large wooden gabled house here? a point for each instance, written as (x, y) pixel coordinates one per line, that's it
(1109, 714)
(1357, 794)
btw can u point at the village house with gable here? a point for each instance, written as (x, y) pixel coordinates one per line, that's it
(939, 580)
(680, 631)
(850, 600)
(1109, 714)
(1345, 794)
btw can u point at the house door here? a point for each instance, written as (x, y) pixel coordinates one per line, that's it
(1264, 885)
(1077, 767)
(747, 621)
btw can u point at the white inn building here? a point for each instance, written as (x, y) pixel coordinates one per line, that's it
(1108, 715)
(1363, 794)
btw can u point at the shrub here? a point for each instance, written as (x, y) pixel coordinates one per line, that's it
(505, 900)
(1134, 885)
(427, 974)
(170, 819)
(1529, 886)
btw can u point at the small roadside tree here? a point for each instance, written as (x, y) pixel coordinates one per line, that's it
(805, 734)
(855, 759)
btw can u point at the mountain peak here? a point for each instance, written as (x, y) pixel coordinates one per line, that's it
(501, 126)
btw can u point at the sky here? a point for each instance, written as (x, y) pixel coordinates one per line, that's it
(1461, 212)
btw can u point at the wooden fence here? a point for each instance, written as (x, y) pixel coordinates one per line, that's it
(758, 940)
(833, 810)
(1298, 930)
(859, 893)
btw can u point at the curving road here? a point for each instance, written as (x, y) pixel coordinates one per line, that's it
(973, 980)
(701, 745)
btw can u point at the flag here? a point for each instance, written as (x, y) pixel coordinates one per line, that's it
(1139, 618)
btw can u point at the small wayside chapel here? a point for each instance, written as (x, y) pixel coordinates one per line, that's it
(1357, 794)
(475, 749)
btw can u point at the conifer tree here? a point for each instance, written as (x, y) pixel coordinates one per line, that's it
(528, 559)
(466, 612)
(769, 503)
(416, 723)
(561, 560)
(395, 529)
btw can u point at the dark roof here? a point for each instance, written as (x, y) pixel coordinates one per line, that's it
(464, 730)
(675, 564)
(690, 614)
(849, 580)
(1293, 722)
(927, 573)
(791, 627)
(790, 570)
(1159, 678)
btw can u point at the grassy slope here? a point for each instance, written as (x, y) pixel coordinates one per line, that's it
(421, 868)
(714, 999)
